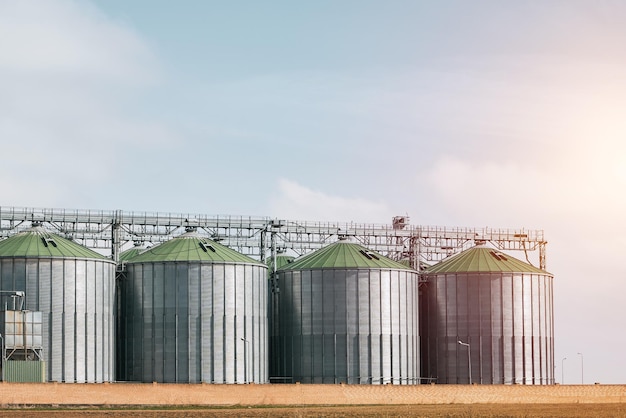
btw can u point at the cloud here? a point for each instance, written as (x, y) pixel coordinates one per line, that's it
(69, 77)
(69, 38)
(575, 200)
(294, 201)
(577, 184)
(491, 192)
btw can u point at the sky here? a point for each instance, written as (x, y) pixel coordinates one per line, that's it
(499, 114)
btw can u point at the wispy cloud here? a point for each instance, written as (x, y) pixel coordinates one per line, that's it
(72, 39)
(68, 75)
(295, 201)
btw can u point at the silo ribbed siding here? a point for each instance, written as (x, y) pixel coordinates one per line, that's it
(76, 298)
(184, 321)
(347, 325)
(505, 316)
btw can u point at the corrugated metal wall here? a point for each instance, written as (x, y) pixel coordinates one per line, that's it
(24, 371)
(507, 318)
(76, 298)
(347, 325)
(191, 322)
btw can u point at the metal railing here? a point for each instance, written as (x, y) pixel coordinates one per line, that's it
(261, 236)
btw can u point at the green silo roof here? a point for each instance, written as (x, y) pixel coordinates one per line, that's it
(481, 259)
(130, 253)
(281, 260)
(407, 262)
(343, 254)
(191, 247)
(37, 242)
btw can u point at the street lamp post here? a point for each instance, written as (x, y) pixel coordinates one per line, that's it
(469, 359)
(563, 371)
(582, 369)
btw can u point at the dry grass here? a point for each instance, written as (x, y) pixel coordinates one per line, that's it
(431, 411)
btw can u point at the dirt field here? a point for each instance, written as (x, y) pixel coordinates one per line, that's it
(120, 400)
(215, 396)
(434, 411)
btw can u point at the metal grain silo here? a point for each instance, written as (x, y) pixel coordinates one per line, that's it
(347, 314)
(74, 288)
(195, 311)
(278, 262)
(274, 263)
(137, 249)
(120, 364)
(490, 315)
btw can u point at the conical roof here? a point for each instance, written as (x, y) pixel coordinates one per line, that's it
(191, 247)
(482, 259)
(344, 254)
(131, 253)
(37, 242)
(281, 260)
(407, 262)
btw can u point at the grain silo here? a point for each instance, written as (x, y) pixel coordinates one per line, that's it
(73, 288)
(137, 249)
(195, 311)
(279, 261)
(120, 325)
(347, 315)
(487, 318)
(274, 263)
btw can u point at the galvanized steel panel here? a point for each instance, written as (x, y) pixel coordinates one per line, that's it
(242, 368)
(328, 359)
(194, 331)
(364, 372)
(19, 274)
(229, 341)
(337, 322)
(327, 322)
(194, 316)
(81, 352)
(317, 304)
(375, 303)
(473, 309)
(6, 275)
(385, 355)
(484, 308)
(357, 303)
(306, 360)
(304, 300)
(293, 364)
(367, 317)
(505, 317)
(292, 303)
(69, 302)
(341, 367)
(32, 281)
(318, 358)
(62, 289)
(528, 330)
(91, 321)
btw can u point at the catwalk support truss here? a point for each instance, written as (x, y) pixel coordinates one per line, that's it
(261, 237)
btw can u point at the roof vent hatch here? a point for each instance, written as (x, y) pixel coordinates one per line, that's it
(48, 241)
(369, 255)
(498, 256)
(206, 247)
